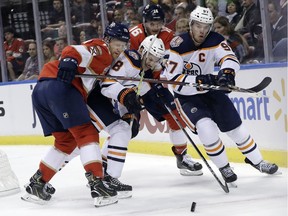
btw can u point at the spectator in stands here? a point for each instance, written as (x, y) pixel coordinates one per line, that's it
(56, 19)
(170, 3)
(48, 50)
(82, 37)
(233, 9)
(182, 25)
(130, 14)
(180, 12)
(92, 29)
(81, 12)
(278, 21)
(236, 41)
(57, 15)
(170, 20)
(118, 16)
(61, 43)
(184, 3)
(135, 22)
(213, 6)
(189, 5)
(250, 17)
(14, 49)
(31, 70)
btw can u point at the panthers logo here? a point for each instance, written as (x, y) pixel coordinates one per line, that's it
(191, 69)
(95, 50)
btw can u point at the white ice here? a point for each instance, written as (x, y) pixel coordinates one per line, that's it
(158, 189)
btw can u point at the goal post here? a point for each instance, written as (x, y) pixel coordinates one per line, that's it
(9, 183)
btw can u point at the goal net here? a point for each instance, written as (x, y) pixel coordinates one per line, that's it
(8, 181)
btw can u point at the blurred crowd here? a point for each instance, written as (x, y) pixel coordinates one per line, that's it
(239, 21)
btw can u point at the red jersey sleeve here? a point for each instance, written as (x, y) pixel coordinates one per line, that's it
(137, 35)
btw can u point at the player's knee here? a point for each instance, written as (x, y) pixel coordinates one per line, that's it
(64, 141)
(172, 123)
(84, 134)
(120, 129)
(239, 134)
(207, 131)
(177, 137)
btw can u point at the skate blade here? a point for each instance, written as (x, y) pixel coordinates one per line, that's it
(104, 201)
(232, 185)
(124, 194)
(33, 199)
(277, 173)
(186, 172)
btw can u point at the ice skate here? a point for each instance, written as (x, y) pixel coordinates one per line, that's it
(264, 167)
(101, 191)
(187, 166)
(123, 190)
(37, 190)
(228, 175)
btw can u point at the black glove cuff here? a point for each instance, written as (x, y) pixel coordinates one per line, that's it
(68, 64)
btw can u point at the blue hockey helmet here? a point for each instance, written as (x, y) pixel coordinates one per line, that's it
(153, 12)
(117, 31)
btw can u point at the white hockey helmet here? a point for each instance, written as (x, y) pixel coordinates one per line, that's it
(152, 45)
(202, 15)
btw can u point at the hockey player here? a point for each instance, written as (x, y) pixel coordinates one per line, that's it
(192, 59)
(60, 102)
(106, 117)
(132, 63)
(153, 24)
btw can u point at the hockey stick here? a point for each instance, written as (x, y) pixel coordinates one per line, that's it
(223, 186)
(142, 72)
(255, 89)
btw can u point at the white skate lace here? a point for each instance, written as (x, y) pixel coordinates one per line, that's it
(188, 159)
(116, 181)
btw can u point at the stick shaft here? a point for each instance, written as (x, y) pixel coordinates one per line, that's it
(259, 87)
(101, 77)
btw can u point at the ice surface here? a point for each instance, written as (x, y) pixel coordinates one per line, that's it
(158, 189)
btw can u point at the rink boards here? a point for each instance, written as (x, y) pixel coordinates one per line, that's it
(265, 116)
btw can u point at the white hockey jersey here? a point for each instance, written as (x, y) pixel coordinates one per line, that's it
(186, 61)
(128, 64)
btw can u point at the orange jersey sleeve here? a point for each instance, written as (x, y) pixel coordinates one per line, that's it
(93, 57)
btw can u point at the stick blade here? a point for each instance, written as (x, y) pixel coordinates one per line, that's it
(262, 85)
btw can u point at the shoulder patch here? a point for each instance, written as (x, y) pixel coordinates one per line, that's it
(95, 50)
(176, 41)
(133, 55)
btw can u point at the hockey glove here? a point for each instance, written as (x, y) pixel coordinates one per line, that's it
(129, 99)
(67, 69)
(226, 77)
(208, 79)
(136, 125)
(162, 93)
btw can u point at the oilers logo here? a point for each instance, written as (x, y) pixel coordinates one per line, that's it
(191, 69)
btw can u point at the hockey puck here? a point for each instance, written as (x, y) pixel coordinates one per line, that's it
(193, 206)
